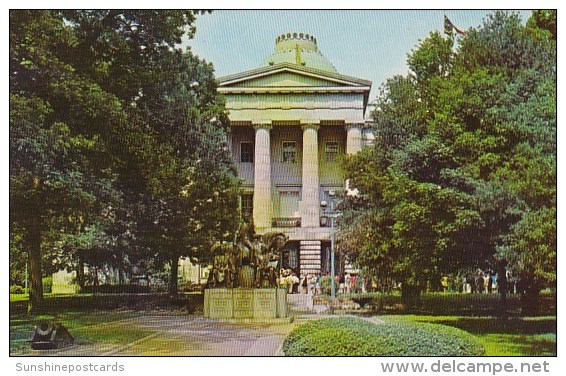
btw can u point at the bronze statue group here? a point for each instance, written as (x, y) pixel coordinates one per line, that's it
(249, 261)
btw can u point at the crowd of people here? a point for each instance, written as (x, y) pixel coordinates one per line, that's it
(480, 282)
(312, 284)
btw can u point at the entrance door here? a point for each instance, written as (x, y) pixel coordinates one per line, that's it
(290, 255)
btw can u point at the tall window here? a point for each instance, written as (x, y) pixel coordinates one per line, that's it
(247, 206)
(289, 152)
(246, 152)
(331, 151)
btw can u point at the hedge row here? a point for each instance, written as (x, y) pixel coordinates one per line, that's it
(136, 302)
(15, 289)
(445, 303)
(352, 336)
(115, 289)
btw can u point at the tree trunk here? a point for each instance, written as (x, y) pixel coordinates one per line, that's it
(173, 281)
(502, 286)
(80, 273)
(95, 280)
(121, 269)
(34, 265)
(530, 301)
(410, 296)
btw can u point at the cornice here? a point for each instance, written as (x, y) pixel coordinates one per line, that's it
(293, 89)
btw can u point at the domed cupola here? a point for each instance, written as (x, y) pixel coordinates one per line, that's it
(300, 49)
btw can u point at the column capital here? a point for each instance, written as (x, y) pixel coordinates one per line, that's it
(261, 124)
(310, 124)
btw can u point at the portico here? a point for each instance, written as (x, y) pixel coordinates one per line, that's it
(291, 122)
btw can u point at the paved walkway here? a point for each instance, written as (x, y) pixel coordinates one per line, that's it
(189, 336)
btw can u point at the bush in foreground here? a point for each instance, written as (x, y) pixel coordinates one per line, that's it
(15, 289)
(116, 289)
(352, 336)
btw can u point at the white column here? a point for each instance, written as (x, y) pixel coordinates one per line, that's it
(353, 138)
(262, 176)
(310, 204)
(353, 146)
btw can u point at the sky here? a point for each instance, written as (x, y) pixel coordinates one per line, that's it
(368, 44)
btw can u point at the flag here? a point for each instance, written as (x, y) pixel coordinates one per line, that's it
(449, 27)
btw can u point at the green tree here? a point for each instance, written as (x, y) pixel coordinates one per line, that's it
(77, 141)
(465, 152)
(543, 19)
(193, 201)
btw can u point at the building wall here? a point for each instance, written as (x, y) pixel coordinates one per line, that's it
(63, 282)
(287, 177)
(191, 273)
(330, 172)
(282, 102)
(286, 173)
(245, 170)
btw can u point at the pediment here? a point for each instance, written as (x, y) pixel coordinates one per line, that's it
(289, 75)
(285, 79)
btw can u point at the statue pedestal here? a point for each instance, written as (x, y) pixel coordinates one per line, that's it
(245, 303)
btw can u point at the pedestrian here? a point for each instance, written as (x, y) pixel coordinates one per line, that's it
(353, 283)
(444, 283)
(304, 284)
(294, 287)
(479, 284)
(317, 286)
(486, 282)
(494, 282)
(458, 284)
(341, 284)
(347, 283)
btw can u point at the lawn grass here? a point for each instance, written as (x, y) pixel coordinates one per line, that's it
(113, 333)
(527, 336)
(86, 327)
(24, 297)
(18, 297)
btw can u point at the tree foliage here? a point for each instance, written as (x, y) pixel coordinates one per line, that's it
(462, 173)
(113, 127)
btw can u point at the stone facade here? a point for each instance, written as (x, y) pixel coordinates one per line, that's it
(291, 121)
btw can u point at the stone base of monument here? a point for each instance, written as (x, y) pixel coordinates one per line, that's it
(245, 304)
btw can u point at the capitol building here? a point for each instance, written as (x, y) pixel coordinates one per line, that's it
(291, 120)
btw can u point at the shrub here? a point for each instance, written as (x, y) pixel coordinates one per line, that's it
(15, 289)
(325, 286)
(116, 289)
(351, 336)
